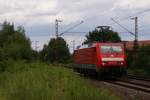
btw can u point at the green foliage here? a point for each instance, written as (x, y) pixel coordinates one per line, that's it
(144, 57)
(56, 51)
(38, 81)
(7, 30)
(142, 61)
(44, 53)
(13, 43)
(102, 35)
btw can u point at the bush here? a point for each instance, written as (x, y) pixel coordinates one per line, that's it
(142, 60)
(38, 81)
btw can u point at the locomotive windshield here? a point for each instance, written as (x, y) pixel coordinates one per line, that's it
(111, 49)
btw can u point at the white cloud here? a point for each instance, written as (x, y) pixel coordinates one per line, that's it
(27, 12)
(42, 13)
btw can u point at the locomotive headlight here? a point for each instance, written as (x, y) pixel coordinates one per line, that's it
(103, 63)
(120, 63)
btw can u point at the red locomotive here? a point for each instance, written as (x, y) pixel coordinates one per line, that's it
(101, 57)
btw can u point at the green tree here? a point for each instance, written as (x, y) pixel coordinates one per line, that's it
(103, 34)
(7, 30)
(43, 53)
(56, 51)
(14, 43)
(142, 61)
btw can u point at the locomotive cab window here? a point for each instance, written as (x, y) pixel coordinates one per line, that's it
(111, 49)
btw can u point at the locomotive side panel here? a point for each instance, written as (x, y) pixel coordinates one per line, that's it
(85, 57)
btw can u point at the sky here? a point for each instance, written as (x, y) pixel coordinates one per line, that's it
(38, 17)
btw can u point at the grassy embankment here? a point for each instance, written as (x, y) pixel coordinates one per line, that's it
(39, 81)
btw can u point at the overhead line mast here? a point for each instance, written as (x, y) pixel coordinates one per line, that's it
(57, 27)
(134, 34)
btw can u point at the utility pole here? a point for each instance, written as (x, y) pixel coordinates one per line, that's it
(73, 44)
(36, 45)
(57, 27)
(136, 33)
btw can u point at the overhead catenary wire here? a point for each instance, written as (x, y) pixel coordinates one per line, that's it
(71, 28)
(141, 12)
(75, 32)
(133, 15)
(123, 27)
(134, 34)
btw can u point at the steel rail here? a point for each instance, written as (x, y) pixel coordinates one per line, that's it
(142, 78)
(128, 83)
(131, 86)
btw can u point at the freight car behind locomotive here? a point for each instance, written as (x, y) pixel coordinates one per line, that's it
(105, 58)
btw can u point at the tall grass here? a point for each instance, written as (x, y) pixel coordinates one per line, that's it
(39, 81)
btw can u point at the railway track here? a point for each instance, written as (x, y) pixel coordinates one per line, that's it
(131, 82)
(143, 78)
(136, 83)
